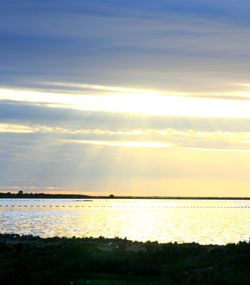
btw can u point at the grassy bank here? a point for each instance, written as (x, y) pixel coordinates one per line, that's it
(32, 260)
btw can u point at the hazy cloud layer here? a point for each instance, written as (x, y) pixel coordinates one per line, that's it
(195, 46)
(79, 81)
(18, 113)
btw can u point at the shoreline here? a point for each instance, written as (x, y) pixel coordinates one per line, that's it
(60, 260)
(81, 196)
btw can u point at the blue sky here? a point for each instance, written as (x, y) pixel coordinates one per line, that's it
(125, 42)
(88, 86)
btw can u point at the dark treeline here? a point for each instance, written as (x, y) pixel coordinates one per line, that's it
(32, 260)
(23, 195)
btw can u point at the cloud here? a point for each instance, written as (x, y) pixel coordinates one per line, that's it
(159, 45)
(126, 144)
(86, 87)
(50, 161)
(139, 138)
(126, 101)
(33, 114)
(95, 94)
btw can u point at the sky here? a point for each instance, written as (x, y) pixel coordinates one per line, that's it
(125, 97)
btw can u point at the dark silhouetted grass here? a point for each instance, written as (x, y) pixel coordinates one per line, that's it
(32, 260)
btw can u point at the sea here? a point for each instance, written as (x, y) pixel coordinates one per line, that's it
(161, 220)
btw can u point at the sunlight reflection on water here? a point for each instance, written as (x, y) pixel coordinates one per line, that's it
(202, 221)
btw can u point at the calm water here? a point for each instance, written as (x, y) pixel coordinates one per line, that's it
(202, 221)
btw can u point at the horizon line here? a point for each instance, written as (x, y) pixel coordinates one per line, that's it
(113, 196)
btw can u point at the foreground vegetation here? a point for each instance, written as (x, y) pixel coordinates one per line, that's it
(32, 260)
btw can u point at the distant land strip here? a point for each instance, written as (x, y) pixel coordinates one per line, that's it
(21, 195)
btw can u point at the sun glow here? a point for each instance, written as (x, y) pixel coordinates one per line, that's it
(128, 144)
(149, 103)
(154, 104)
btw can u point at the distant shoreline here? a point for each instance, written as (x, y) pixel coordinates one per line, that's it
(80, 196)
